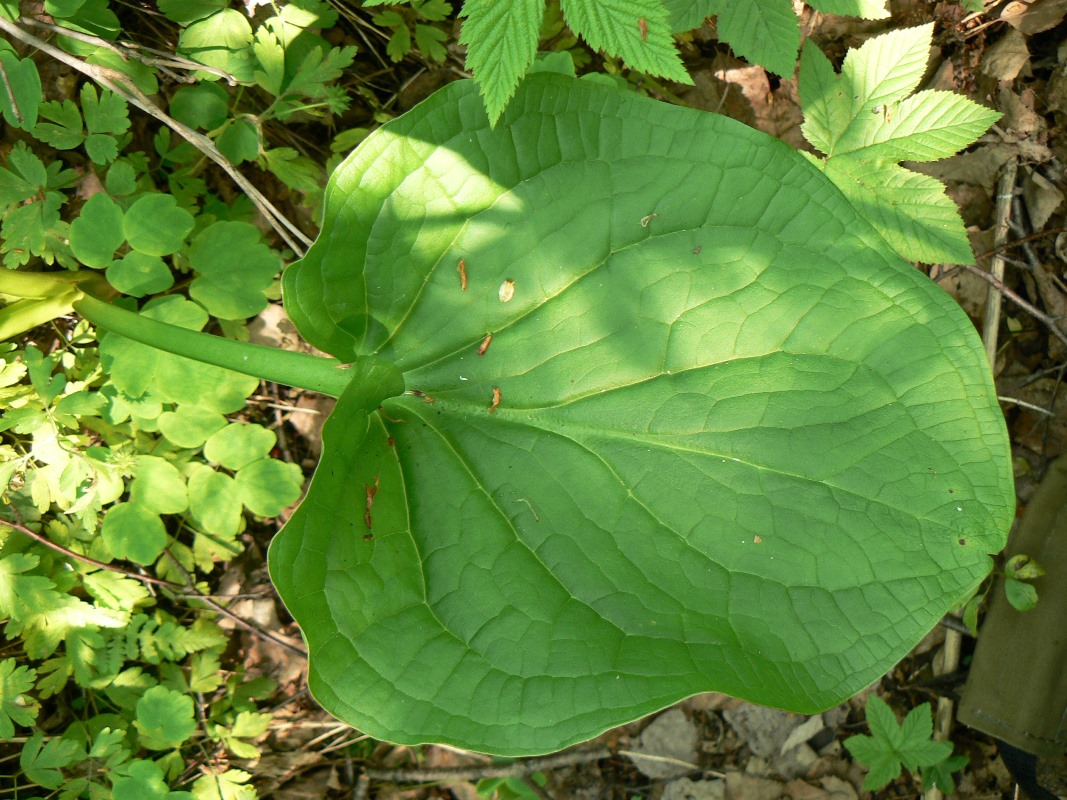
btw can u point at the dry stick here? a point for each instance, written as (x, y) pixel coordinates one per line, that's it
(129, 92)
(1005, 192)
(248, 625)
(516, 769)
(1030, 308)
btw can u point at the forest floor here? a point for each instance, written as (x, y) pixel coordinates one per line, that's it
(1013, 58)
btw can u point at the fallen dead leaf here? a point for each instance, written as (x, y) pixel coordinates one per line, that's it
(1034, 17)
(1007, 57)
(1042, 198)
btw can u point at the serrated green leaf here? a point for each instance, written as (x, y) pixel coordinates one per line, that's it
(430, 41)
(229, 785)
(21, 594)
(268, 486)
(97, 232)
(1021, 595)
(164, 718)
(883, 71)
(822, 96)
(21, 96)
(699, 437)
(158, 486)
(64, 132)
(15, 188)
(137, 274)
(924, 127)
(892, 745)
(501, 40)
(684, 15)
(102, 148)
(295, 171)
(42, 761)
(911, 211)
(238, 445)
(270, 55)
(205, 673)
(104, 113)
(766, 32)
(121, 179)
(155, 225)
(140, 780)
(114, 591)
(34, 229)
(864, 123)
(399, 44)
(940, 775)
(234, 268)
(16, 706)
(634, 30)
(133, 531)
(866, 9)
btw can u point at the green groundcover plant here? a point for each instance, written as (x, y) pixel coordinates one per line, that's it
(634, 402)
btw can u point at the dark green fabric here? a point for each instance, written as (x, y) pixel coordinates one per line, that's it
(1017, 689)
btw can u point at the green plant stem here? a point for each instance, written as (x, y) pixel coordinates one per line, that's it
(325, 375)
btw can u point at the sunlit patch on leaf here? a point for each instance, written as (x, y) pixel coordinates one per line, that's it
(563, 540)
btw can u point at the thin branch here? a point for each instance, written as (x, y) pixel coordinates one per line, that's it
(1005, 192)
(1015, 401)
(516, 769)
(1035, 312)
(248, 625)
(121, 85)
(46, 542)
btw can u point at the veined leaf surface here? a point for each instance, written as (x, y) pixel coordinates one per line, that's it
(720, 437)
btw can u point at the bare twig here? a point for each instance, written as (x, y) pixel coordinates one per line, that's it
(1023, 404)
(248, 625)
(1032, 310)
(1005, 192)
(121, 85)
(516, 769)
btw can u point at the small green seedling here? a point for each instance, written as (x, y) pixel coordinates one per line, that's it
(893, 745)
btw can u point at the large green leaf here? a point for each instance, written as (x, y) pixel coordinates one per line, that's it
(739, 444)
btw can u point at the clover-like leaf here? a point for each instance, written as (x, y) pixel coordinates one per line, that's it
(640, 407)
(155, 225)
(137, 274)
(234, 269)
(97, 232)
(268, 485)
(164, 718)
(134, 531)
